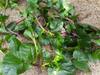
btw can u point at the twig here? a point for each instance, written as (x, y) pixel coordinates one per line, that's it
(11, 32)
(70, 20)
(43, 28)
(17, 22)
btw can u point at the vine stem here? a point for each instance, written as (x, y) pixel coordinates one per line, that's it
(7, 1)
(19, 21)
(70, 20)
(43, 28)
(36, 48)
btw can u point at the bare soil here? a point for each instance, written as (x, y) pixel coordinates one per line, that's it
(88, 10)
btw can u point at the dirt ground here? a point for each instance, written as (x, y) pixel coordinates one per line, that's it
(89, 11)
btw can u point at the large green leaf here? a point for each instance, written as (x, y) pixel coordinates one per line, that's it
(11, 59)
(14, 43)
(25, 53)
(11, 26)
(81, 65)
(79, 55)
(9, 70)
(68, 66)
(2, 3)
(84, 39)
(80, 60)
(70, 27)
(12, 64)
(20, 56)
(20, 27)
(20, 59)
(66, 5)
(56, 25)
(28, 34)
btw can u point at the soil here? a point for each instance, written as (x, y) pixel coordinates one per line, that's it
(88, 10)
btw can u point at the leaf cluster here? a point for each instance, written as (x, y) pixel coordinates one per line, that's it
(53, 39)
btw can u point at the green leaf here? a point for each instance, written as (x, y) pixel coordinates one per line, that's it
(57, 41)
(3, 18)
(46, 56)
(66, 53)
(25, 53)
(66, 5)
(14, 43)
(9, 70)
(56, 25)
(45, 41)
(28, 34)
(79, 55)
(96, 54)
(32, 3)
(3, 29)
(20, 59)
(70, 27)
(2, 3)
(1, 66)
(68, 66)
(13, 63)
(97, 42)
(20, 55)
(52, 71)
(84, 39)
(11, 59)
(81, 65)
(20, 27)
(58, 58)
(11, 26)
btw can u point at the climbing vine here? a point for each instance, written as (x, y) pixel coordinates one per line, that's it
(54, 39)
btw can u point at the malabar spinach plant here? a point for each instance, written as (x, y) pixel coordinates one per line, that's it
(49, 36)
